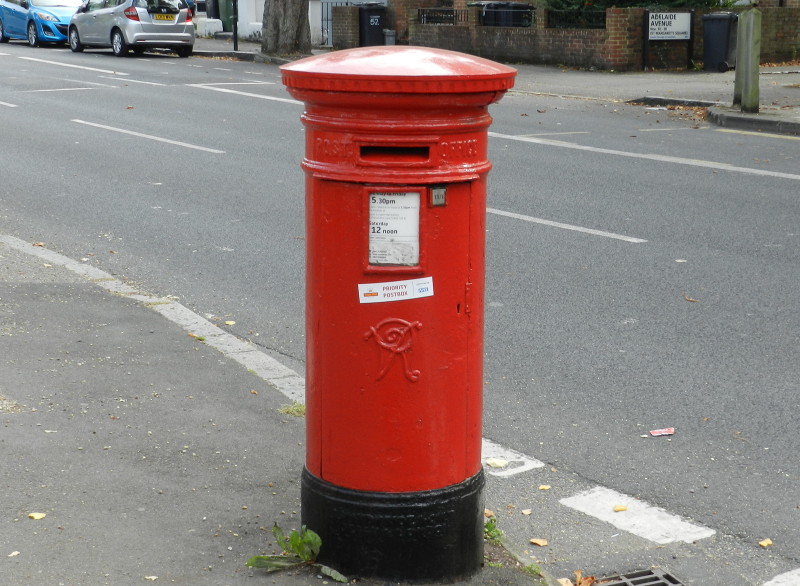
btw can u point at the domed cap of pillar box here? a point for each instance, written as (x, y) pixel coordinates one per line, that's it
(398, 69)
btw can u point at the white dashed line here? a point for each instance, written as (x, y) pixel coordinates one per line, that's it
(73, 66)
(639, 518)
(516, 462)
(649, 157)
(150, 137)
(788, 579)
(553, 224)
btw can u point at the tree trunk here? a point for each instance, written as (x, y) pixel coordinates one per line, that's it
(285, 28)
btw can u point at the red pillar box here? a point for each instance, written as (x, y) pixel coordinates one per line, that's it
(396, 170)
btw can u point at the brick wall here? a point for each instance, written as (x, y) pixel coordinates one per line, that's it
(780, 33)
(344, 28)
(619, 46)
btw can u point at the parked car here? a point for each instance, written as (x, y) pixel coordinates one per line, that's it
(38, 21)
(135, 25)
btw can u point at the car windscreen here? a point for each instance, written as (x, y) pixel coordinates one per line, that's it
(56, 3)
(156, 4)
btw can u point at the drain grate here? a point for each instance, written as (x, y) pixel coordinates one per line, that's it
(642, 578)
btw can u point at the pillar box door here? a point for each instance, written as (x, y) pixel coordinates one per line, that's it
(396, 165)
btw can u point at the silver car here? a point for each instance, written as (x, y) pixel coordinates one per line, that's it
(135, 25)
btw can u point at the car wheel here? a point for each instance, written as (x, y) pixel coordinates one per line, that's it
(3, 37)
(184, 52)
(33, 36)
(118, 44)
(75, 40)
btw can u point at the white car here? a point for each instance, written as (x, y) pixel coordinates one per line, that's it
(135, 25)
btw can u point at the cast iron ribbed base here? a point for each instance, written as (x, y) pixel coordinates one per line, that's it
(424, 536)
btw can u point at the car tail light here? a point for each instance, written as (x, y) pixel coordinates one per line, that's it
(130, 12)
(189, 15)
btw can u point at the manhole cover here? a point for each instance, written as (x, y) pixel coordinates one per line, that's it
(642, 578)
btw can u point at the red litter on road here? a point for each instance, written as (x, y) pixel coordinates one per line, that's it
(665, 431)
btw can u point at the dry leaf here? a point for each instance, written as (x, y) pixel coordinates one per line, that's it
(496, 462)
(37, 516)
(544, 487)
(564, 582)
(151, 578)
(527, 511)
(690, 299)
(230, 323)
(13, 554)
(488, 513)
(40, 244)
(620, 508)
(766, 543)
(581, 580)
(539, 542)
(253, 392)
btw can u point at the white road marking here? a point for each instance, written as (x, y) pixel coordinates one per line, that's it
(136, 81)
(566, 226)
(648, 157)
(788, 579)
(640, 518)
(259, 96)
(7, 105)
(73, 66)
(762, 134)
(68, 89)
(517, 461)
(238, 83)
(557, 133)
(149, 137)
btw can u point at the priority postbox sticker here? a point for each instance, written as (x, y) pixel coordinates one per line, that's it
(395, 290)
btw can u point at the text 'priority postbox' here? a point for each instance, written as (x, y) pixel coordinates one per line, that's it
(396, 165)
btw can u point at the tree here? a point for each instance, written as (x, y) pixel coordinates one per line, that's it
(285, 28)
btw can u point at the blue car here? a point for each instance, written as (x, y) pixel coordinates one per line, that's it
(38, 21)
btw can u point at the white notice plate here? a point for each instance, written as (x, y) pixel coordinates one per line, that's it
(394, 228)
(395, 290)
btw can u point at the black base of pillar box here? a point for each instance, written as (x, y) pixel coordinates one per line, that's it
(411, 536)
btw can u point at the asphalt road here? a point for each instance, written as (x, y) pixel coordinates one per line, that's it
(665, 295)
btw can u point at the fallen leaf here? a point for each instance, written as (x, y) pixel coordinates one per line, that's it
(527, 511)
(539, 542)
(40, 244)
(230, 323)
(496, 462)
(620, 508)
(690, 299)
(581, 580)
(544, 487)
(37, 516)
(253, 392)
(13, 554)
(766, 543)
(488, 513)
(151, 578)
(564, 582)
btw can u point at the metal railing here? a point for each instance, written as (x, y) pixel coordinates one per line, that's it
(515, 14)
(442, 16)
(595, 19)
